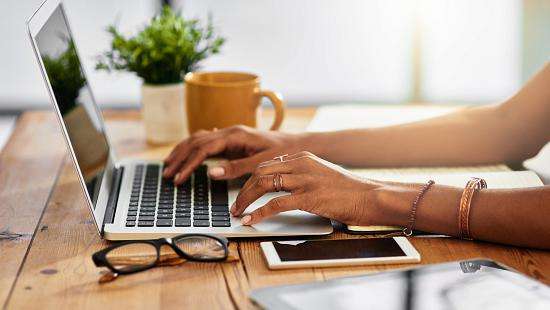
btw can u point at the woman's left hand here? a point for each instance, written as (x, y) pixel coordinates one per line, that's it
(316, 186)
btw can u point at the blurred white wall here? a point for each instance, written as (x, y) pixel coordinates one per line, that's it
(312, 51)
(471, 49)
(316, 51)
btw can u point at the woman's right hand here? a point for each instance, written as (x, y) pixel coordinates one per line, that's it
(244, 147)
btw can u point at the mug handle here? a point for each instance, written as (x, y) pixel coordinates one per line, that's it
(279, 105)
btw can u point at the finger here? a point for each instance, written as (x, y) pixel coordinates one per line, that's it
(185, 152)
(173, 153)
(262, 185)
(176, 149)
(196, 158)
(266, 171)
(236, 168)
(284, 158)
(273, 207)
(286, 167)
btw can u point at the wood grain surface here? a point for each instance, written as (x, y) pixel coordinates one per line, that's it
(47, 236)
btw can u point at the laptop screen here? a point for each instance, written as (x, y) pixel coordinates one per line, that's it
(74, 99)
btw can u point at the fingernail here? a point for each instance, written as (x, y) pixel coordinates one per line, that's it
(176, 177)
(246, 219)
(232, 209)
(165, 173)
(216, 171)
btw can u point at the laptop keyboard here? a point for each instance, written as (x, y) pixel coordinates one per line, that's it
(155, 201)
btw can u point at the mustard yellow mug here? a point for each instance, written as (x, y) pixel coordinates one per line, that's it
(223, 99)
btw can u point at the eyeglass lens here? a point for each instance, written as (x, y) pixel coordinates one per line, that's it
(201, 248)
(132, 256)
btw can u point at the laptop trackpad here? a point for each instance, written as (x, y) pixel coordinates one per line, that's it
(296, 220)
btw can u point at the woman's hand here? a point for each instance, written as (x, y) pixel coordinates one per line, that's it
(245, 146)
(316, 186)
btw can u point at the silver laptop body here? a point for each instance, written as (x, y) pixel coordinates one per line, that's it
(109, 184)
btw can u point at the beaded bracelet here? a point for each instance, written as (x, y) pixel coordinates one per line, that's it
(464, 207)
(408, 231)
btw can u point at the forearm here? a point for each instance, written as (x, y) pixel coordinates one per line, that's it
(515, 216)
(507, 133)
(466, 137)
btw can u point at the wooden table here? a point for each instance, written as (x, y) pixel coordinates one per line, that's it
(47, 236)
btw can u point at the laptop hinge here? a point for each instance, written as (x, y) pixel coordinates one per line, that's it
(110, 210)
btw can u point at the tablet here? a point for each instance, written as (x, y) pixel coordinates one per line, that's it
(343, 252)
(472, 285)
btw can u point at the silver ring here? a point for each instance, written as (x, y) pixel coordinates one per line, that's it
(280, 158)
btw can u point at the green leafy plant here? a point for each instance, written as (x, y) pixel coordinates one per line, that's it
(65, 76)
(163, 51)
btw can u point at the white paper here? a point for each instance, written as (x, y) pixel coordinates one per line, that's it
(504, 179)
(339, 117)
(293, 242)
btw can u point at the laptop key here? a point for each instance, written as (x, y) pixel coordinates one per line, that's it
(218, 193)
(130, 223)
(131, 218)
(178, 215)
(146, 218)
(164, 223)
(132, 213)
(220, 209)
(146, 223)
(199, 211)
(143, 213)
(164, 211)
(221, 224)
(220, 218)
(217, 213)
(200, 217)
(201, 223)
(164, 216)
(183, 222)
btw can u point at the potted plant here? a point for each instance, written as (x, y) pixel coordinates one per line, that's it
(161, 54)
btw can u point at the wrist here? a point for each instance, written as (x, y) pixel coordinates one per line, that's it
(390, 204)
(313, 142)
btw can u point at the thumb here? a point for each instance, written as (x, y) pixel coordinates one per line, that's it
(235, 168)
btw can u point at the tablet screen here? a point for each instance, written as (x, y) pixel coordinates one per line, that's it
(470, 285)
(337, 249)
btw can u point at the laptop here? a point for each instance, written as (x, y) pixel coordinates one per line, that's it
(128, 198)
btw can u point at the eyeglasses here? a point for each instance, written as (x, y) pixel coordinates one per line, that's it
(134, 256)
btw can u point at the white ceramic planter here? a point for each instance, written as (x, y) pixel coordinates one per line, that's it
(164, 114)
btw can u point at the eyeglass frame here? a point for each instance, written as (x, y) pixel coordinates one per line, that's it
(100, 257)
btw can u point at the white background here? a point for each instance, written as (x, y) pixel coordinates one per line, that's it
(312, 51)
